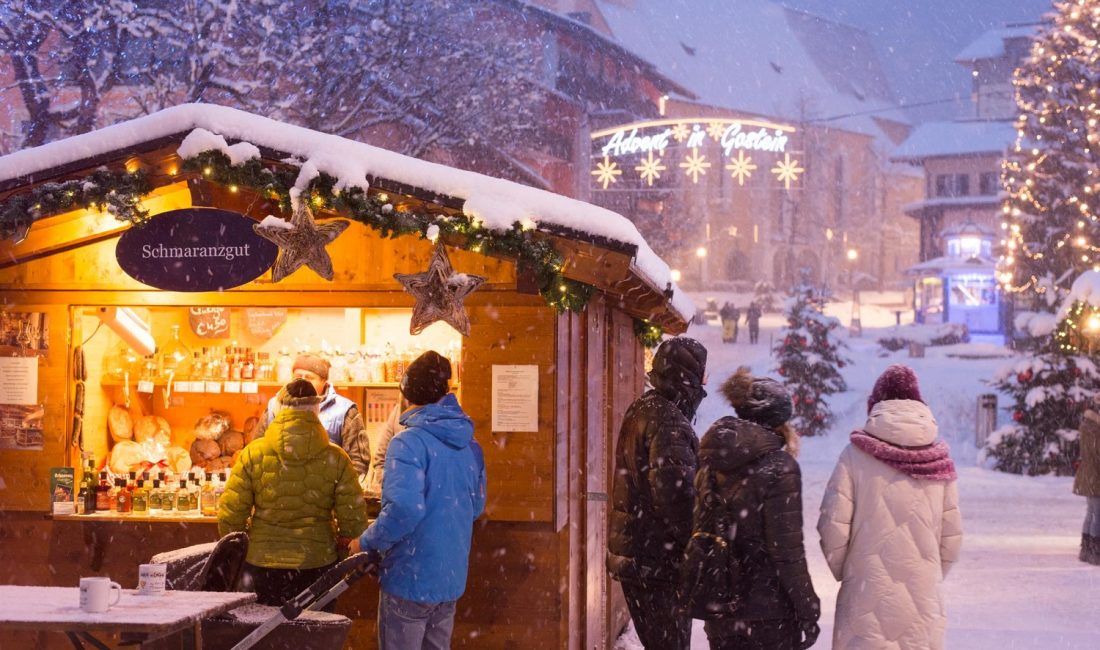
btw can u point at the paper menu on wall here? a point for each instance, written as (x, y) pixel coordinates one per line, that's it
(515, 398)
(18, 380)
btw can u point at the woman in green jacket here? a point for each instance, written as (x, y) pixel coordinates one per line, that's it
(285, 491)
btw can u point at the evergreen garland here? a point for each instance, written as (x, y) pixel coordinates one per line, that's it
(118, 193)
(649, 334)
(531, 253)
(808, 356)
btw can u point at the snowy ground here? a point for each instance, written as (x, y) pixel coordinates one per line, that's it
(1018, 584)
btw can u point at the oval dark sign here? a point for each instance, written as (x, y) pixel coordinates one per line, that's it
(196, 249)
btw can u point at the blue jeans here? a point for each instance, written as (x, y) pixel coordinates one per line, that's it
(409, 625)
(1092, 517)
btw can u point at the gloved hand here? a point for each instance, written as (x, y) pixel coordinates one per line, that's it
(376, 562)
(810, 630)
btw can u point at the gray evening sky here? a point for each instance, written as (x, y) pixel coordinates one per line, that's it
(918, 41)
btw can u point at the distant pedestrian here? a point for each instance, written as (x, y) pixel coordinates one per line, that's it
(729, 314)
(747, 469)
(653, 494)
(752, 317)
(1087, 484)
(890, 524)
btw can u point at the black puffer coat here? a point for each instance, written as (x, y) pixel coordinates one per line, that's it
(655, 463)
(761, 486)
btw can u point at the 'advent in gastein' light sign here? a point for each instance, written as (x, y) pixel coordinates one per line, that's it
(196, 249)
(656, 148)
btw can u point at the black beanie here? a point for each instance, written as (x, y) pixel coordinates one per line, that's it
(425, 380)
(299, 393)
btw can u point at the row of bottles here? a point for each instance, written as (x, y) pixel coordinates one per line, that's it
(178, 363)
(190, 495)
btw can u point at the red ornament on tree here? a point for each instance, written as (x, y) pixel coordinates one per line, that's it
(1018, 416)
(1076, 371)
(1025, 376)
(783, 372)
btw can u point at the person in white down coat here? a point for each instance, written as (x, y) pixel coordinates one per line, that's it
(890, 523)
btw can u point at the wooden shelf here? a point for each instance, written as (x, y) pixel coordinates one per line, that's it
(115, 517)
(347, 384)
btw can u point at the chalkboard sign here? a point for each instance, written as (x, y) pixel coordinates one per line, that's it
(196, 249)
(209, 322)
(262, 322)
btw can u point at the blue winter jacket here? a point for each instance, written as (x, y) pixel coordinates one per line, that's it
(432, 491)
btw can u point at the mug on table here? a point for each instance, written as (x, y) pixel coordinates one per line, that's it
(95, 594)
(151, 579)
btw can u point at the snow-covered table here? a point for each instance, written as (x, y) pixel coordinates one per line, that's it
(138, 618)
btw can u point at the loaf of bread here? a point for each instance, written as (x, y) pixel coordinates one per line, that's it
(152, 427)
(203, 451)
(178, 459)
(252, 429)
(231, 442)
(211, 427)
(120, 424)
(126, 456)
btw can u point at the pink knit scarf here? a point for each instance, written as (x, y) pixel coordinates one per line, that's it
(930, 463)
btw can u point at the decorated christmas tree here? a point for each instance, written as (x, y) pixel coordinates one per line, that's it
(1051, 175)
(1053, 198)
(809, 359)
(1051, 389)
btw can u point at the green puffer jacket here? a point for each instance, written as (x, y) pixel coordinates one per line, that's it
(292, 483)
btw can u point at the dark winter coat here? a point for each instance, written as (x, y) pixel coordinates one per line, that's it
(1087, 481)
(655, 463)
(729, 312)
(761, 487)
(752, 317)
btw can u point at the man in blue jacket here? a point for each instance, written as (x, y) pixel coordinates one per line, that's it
(432, 491)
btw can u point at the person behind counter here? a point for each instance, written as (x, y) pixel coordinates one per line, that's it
(285, 491)
(432, 491)
(339, 415)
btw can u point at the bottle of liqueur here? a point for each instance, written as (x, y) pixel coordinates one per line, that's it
(183, 498)
(88, 483)
(123, 497)
(140, 498)
(103, 494)
(155, 500)
(207, 502)
(167, 497)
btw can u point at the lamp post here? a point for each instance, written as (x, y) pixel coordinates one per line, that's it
(855, 327)
(1092, 330)
(701, 253)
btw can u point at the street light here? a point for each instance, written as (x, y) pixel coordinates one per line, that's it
(855, 327)
(675, 275)
(701, 253)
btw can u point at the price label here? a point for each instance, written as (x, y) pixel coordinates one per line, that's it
(182, 387)
(231, 386)
(213, 387)
(250, 387)
(145, 386)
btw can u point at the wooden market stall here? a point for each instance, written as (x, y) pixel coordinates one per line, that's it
(547, 421)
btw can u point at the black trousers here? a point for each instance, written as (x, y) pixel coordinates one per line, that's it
(779, 634)
(277, 586)
(653, 608)
(754, 334)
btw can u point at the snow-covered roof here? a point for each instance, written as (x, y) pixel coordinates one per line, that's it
(991, 45)
(952, 202)
(761, 58)
(964, 138)
(497, 203)
(951, 265)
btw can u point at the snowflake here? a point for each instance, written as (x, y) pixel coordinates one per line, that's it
(694, 165)
(715, 130)
(787, 171)
(606, 172)
(650, 169)
(680, 132)
(741, 167)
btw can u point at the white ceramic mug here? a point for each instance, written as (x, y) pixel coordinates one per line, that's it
(95, 594)
(151, 579)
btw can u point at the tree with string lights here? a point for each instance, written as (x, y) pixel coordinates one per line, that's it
(1053, 240)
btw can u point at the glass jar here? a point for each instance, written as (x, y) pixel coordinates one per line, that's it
(175, 357)
(123, 365)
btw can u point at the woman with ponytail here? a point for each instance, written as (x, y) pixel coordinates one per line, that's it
(747, 469)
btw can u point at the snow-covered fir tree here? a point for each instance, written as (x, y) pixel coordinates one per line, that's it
(1051, 220)
(809, 358)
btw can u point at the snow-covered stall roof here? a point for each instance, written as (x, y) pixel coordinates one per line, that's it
(951, 265)
(991, 44)
(761, 58)
(963, 138)
(497, 203)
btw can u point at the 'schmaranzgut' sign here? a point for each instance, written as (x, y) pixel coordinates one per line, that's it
(195, 249)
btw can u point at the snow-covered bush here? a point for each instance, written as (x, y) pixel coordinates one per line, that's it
(899, 337)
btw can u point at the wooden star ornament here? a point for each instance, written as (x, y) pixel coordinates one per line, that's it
(302, 241)
(439, 293)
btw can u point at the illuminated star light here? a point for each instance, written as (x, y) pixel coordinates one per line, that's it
(680, 132)
(715, 130)
(787, 170)
(741, 167)
(694, 165)
(650, 169)
(606, 172)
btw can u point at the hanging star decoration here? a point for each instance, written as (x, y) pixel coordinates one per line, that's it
(694, 165)
(715, 130)
(650, 168)
(439, 293)
(681, 132)
(606, 172)
(302, 241)
(741, 167)
(787, 171)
